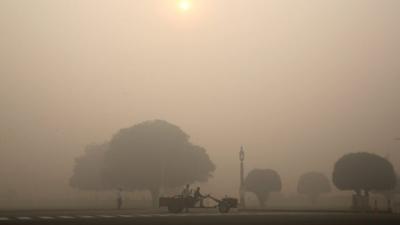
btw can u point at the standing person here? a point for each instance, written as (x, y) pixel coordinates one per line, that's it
(186, 191)
(119, 198)
(186, 194)
(199, 197)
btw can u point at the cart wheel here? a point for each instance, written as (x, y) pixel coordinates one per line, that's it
(224, 207)
(175, 208)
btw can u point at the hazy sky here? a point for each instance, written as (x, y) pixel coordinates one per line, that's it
(298, 82)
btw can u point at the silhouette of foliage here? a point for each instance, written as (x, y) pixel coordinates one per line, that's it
(313, 184)
(363, 172)
(262, 182)
(152, 155)
(87, 173)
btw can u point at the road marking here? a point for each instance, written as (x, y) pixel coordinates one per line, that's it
(125, 216)
(46, 217)
(4, 218)
(24, 218)
(67, 217)
(162, 215)
(144, 215)
(106, 216)
(203, 214)
(86, 217)
(248, 214)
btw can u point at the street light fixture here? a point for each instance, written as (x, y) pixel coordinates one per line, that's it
(241, 154)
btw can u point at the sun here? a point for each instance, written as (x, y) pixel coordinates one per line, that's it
(184, 5)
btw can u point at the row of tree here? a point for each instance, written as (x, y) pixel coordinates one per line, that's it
(358, 172)
(262, 182)
(156, 154)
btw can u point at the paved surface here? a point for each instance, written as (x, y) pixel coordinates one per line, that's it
(144, 217)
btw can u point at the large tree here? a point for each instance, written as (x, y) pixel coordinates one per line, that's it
(87, 174)
(363, 172)
(313, 184)
(154, 155)
(262, 182)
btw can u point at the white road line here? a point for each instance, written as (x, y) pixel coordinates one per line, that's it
(162, 215)
(66, 217)
(4, 218)
(106, 216)
(144, 215)
(125, 216)
(183, 214)
(86, 217)
(46, 217)
(247, 214)
(203, 214)
(24, 218)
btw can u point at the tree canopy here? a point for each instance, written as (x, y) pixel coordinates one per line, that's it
(262, 182)
(87, 174)
(363, 171)
(155, 154)
(313, 184)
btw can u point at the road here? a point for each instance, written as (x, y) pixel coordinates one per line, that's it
(155, 217)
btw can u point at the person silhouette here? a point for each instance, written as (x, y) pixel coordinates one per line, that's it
(119, 198)
(186, 194)
(198, 197)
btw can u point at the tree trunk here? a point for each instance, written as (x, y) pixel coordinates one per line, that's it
(365, 201)
(262, 199)
(313, 198)
(356, 199)
(155, 193)
(389, 198)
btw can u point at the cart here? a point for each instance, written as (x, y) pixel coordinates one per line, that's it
(177, 203)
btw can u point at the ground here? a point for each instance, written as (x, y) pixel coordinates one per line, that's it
(143, 217)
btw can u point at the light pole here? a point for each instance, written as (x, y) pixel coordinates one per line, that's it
(241, 189)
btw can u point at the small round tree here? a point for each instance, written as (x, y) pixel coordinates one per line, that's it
(262, 182)
(363, 172)
(87, 174)
(313, 184)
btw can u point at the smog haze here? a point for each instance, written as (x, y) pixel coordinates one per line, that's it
(297, 83)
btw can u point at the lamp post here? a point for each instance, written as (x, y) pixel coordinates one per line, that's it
(241, 189)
